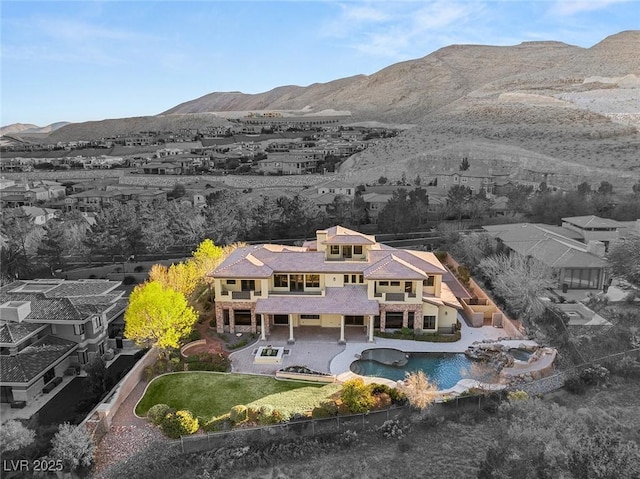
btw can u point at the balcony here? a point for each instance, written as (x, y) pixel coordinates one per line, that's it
(296, 293)
(395, 297)
(239, 295)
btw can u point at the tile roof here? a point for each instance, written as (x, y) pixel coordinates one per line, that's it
(34, 359)
(347, 300)
(592, 221)
(341, 235)
(384, 262)
(12, 333)
(66, 301)
(546, 245)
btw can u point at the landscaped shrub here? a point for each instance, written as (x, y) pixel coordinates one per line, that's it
(325, 409)
(220, 423)
(138, 269)
(238, 414)
(179, 423)
(157, 413)
(265, 414)
(195, 335)
(357, 395)
(464, 274)
(208, 362)
(129, 280)
(441, 255)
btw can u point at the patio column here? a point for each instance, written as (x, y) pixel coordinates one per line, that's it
(263, 332)
(341, 340)
(291, 339)
(371, 328)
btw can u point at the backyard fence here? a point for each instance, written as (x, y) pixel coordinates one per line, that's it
(293, 429)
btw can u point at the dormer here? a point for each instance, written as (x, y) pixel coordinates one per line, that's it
(15, 311)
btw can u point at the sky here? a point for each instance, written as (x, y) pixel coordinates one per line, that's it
(91, 60)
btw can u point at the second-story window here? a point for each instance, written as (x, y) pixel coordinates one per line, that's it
(281, 281)
(78, 329)
(311, 280)
(357, 249)
(346, 251)
(335, 249)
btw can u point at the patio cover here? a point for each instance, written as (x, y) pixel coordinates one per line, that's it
(348, 300)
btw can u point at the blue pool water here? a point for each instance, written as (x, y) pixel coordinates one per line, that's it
(444, 369)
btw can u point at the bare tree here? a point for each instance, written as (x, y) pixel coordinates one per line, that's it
(520, 281)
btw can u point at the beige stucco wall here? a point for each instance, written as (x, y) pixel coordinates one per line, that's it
(330, 320)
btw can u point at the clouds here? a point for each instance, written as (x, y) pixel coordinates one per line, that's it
(400, 30)
(571, 7)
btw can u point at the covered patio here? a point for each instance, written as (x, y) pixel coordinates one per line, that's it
(318, 312)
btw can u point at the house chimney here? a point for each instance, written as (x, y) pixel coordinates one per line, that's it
(15, 311)
(597, 248)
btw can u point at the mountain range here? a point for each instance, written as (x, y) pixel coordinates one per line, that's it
(543, 110)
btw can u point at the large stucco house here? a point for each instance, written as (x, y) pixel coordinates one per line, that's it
(342, 279)
(49, 327)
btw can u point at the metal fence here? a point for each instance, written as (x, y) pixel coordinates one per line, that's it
(293, 429)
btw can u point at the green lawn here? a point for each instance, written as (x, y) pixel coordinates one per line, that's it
(208, 394)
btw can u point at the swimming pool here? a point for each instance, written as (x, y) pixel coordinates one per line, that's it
(444, 369)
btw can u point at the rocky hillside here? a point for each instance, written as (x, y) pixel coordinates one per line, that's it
(540, 109)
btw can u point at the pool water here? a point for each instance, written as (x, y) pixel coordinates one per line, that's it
(444, 369)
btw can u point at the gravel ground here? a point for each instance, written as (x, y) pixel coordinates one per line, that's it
(128, 435)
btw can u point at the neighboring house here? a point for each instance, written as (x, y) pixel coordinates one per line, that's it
(93, 200)
(48, 326)
(342, 279)
(375, 202)
(39, 216)
(577, 265)
(593, 228)
(161, 168)
(476, 179)
(338, 188)
(288, 164)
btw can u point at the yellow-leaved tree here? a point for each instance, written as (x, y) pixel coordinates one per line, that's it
(158, 316)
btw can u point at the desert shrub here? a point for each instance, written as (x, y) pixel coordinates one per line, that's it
(194, 335)
(92, 276)
(594, 375)
(406, 331)
(129, 280)
(74, 446)
(357, 395)
(391, 429)
(138, 269)
(220, 423)
(238, 414)
(179, 423)
(157, 413)
(575, 385)
(319, 413)
(379, 388)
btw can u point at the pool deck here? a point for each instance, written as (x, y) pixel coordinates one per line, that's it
(318, 348)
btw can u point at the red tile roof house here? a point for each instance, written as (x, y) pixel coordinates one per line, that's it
(50, 325)
(342, 279)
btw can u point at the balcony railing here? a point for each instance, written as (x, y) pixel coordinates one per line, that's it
(296, 293)
(241, 295)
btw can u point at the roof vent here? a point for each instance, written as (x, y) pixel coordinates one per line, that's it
(15, 311)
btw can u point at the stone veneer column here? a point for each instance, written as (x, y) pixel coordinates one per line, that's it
(232, 321)
(383, 319)
(254, 325)
(219, 318)
(405, 318)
